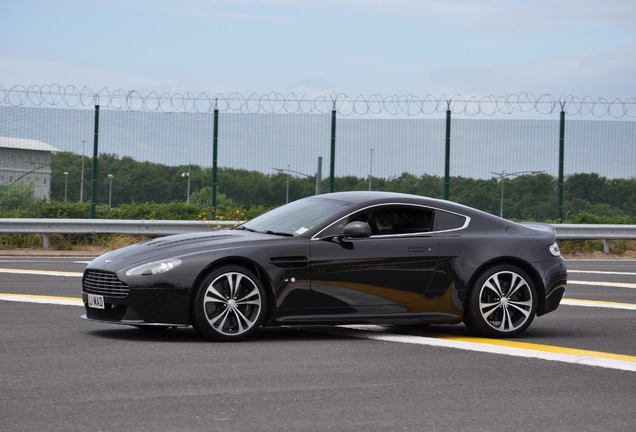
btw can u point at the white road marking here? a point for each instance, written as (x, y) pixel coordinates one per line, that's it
(496, 346)
(602, 272)
(607, 284)
(598, 304)
(510, 348)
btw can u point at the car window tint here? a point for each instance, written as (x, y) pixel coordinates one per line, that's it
(447, 221)
(401, 219)
(404, 220)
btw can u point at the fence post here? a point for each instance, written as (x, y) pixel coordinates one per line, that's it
(447, 161)
(215, 151)
(333, 150)
(319, 176)
(561, 161)
(95, 157)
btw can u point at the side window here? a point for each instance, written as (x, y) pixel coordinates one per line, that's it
(447, 221)
(400, 220)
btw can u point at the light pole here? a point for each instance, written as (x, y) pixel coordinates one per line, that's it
(183, 175)
(501, 177)
(110, 191)
(65, 185)
(287, 170)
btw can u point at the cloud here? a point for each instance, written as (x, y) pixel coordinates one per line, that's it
(351, 46)
(608, 74)
(467, 15)
(28, 71)
(483, 15)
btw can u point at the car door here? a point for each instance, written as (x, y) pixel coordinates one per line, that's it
(387, 272)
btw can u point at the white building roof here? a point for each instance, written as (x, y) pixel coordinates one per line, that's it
(26, 144)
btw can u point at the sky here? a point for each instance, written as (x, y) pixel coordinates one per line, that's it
(584, 48)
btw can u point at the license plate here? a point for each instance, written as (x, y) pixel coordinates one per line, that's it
(95, 301)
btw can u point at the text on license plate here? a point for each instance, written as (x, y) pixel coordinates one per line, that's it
(95, 301)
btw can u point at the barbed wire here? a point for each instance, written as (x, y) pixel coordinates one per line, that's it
(70, 96)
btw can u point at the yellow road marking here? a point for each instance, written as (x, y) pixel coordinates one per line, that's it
(539, 347)
(33, 298)
(41, 272)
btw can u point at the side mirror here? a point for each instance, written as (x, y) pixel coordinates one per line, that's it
(357, 230)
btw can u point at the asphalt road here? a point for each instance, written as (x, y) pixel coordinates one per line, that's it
(573, 370)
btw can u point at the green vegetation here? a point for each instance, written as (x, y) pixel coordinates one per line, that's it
(144, 190)
(525, 197)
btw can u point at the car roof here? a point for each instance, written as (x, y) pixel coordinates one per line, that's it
(365, 196)
(378, 197)
(375, 197)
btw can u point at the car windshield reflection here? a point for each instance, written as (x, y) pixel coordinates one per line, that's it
(297, 217)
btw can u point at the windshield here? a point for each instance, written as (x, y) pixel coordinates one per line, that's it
(297, 217)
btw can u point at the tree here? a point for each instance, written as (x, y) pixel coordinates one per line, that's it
(531, 197)
(17, 198)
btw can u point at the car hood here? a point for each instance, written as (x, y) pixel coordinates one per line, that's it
(179, 245)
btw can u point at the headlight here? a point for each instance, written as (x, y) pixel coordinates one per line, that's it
(155, 267)
(554, 249)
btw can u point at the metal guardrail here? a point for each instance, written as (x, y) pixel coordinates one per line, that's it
(596, 232)
(166, 227)
(107, 226)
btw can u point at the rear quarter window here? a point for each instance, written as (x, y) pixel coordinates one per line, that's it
(445, 221)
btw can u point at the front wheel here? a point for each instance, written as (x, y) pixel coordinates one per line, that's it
(229, 304)
(501, 303)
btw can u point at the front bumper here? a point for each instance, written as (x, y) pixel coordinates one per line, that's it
(143, 306)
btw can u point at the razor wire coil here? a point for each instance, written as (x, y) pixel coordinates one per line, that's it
(70, 96)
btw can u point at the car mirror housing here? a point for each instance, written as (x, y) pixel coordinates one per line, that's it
(357, 230)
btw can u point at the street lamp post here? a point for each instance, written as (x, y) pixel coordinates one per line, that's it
(501, 177)
(65, 185)
(187, 174)
(110, 191)
(288, 171)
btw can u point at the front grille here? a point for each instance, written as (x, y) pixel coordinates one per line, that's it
(103, 283)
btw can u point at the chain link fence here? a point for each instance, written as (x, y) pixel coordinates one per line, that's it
(295, 141)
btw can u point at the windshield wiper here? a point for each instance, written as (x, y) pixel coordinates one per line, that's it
(278, 233)
(284, 234)
(242, 228)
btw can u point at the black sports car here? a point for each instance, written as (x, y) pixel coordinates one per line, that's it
(340, 258)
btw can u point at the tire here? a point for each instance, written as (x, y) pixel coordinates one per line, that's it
(502, 302)
(229, 304)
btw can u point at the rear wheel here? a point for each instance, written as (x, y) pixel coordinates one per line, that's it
(229, 304)
(501, 303)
